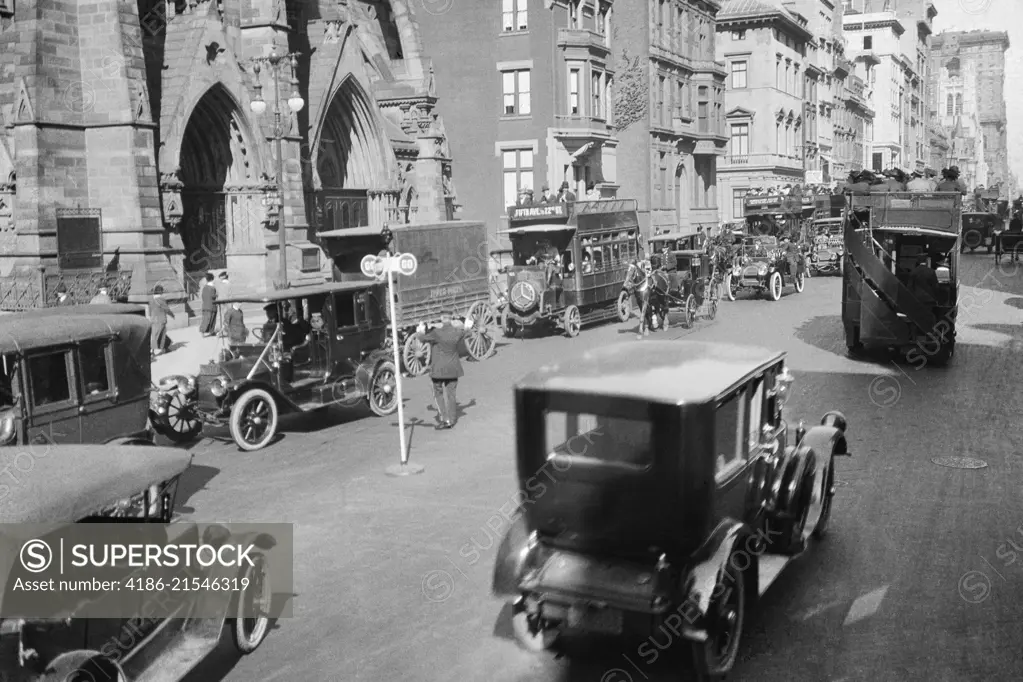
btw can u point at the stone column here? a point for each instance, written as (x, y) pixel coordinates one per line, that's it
(430, 178)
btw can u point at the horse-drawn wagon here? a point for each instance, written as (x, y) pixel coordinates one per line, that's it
(452, 275)
(570, 262)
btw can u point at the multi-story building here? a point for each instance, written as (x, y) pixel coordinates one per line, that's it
(765, 50)
(839, 111)
(670, 112)
(528, 85)
(968, 86)
(891, 41)
(134, 134)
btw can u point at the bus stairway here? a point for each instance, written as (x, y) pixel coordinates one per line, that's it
(887, 287)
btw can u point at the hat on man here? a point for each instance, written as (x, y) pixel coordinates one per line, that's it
(917, 174)
(564, 185)
(158, 289)
(223, 275)
(546, 187)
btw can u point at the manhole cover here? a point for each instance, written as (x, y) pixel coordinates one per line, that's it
(960, 462)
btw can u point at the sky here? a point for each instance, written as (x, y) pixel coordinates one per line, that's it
(995, 15)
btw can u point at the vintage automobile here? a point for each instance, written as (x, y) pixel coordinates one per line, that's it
(762, 266)
(326, 348)
(92, 483)
(980, 229)
(570, 263)
(675, 493)
(78, 374)
(826, 256)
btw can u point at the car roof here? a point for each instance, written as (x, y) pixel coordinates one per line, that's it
(301, 292)
(670, 372)
(88, 309)
(70, 482)
(20, 333)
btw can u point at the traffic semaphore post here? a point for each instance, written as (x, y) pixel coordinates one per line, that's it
(388, 266)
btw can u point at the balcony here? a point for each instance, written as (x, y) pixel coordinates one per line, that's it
(581, 126)
(843, 67)
(583, 38)
(762, 160)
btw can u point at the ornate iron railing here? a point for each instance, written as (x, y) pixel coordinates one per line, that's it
(39, 289)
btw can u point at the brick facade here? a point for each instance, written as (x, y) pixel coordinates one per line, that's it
(143, 110)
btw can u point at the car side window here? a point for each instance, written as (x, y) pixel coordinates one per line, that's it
(9, 388)
(344, 309)
(50, 378)
(756, 406)
(92, 359)
(728, 434)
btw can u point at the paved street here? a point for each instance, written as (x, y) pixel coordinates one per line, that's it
(916, 580)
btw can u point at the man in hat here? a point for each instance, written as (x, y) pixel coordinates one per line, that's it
(159, 311)
(919, 183)
(592, 193)
(208, 325)
(445, 365)
(566, 195)
(526, 197)
(102, 298)
(223, 293)
(547, 196)
(62, 295)
(234, 323)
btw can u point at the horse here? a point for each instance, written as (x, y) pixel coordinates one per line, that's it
(650, 287)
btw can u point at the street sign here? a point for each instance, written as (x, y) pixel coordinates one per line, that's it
(407, 264)
(372, 266)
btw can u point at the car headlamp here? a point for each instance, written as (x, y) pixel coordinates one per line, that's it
(186, 385)
(762, 270)
(8, 427)
(219, 387)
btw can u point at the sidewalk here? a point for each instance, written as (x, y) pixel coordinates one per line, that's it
(189, 348)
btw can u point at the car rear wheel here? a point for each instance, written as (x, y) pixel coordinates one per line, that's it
(415, 355)
(382, 393)
(799, 282)
(254, 420)
(827, 493)
(972, 239)
(180, 424)
(531, 632)
(573, 321)
(251, 621)
(624, 306)
(725, 616)
(774, 286)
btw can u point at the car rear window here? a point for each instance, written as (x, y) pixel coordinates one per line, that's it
(599, 438)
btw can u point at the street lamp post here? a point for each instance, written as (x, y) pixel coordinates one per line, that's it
(295, 103)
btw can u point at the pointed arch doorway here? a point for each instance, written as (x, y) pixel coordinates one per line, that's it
(221, 194)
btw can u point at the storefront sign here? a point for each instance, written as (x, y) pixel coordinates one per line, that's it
(541, 211)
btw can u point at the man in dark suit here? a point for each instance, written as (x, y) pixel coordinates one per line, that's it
(159, 311)
(208, 326)
(923, 282)
(445, 365)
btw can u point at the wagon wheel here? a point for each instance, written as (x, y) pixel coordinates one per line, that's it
(572, 321)
(180, 424)
(689, 311)
(416, 355)
(712, 308)
(624, 307)
(480, 342)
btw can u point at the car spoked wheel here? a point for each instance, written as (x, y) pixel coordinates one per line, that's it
(799, 282)
(180, 423)
(731, 287)
(774, 286)
(689, 309)
(725, 617)
(382, 393)
(251, 621)
(531, 631)
(254, 420)
(416, 355)
(712, 308)
(573, 321)
(624, 306)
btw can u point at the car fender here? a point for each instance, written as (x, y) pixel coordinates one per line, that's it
(512, 560)
(88, 661)
(711, 562)
(796, 463)
(236, 388)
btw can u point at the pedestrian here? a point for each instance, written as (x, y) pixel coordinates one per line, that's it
(208, 325)
(234, 323)
(919, 183)
(101, 298)
(223, 294)
(950, 181)
(159, 311)
(547, 196)
(592, 193)
(62, 295)
(566, 195)
(445, 365)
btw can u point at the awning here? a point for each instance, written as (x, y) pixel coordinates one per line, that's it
(349, 232)
(525, 229)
